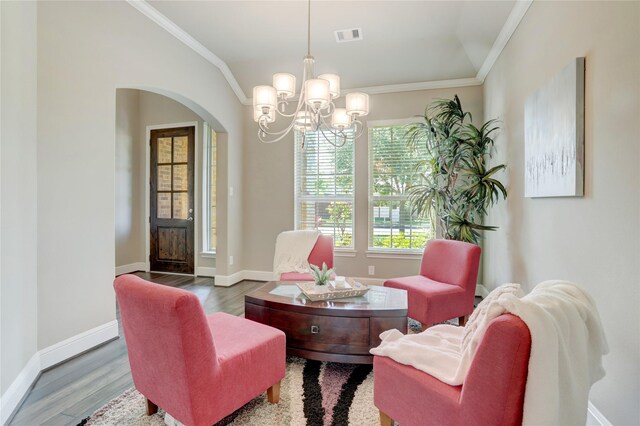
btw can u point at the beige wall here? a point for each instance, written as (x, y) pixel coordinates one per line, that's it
(18, 196)
(269, 197)
(82, 60)
(593, 240)
(129, 207)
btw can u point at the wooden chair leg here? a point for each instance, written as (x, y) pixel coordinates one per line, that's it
(151, 407)
(273, 393)
(462, 320)
(424, 326)
(385, 420)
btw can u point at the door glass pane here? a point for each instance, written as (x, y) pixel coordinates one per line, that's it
(180, 178)
(164, 206)
(180, 149)
(180, 205)
(164, 178)
(164, 150)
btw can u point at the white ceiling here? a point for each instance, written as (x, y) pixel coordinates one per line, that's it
(403, 41)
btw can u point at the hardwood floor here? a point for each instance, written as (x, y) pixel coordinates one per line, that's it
(67, 393)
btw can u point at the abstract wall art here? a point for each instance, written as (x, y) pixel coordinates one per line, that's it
(554, 135)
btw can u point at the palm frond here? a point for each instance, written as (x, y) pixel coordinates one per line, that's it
(456, 185)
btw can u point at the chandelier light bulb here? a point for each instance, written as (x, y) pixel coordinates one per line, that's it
(357, 104)
(340, 119)
(264, 97)
(270, 117)
(285, 84)
(317, 93)
(334, 84)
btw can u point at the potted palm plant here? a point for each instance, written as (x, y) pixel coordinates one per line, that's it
(457, 186)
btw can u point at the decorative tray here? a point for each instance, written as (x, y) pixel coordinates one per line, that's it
(328, 291)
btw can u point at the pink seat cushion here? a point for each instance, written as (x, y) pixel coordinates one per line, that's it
(430, 301)
(407, 394)
(250, 355)
(296, 276)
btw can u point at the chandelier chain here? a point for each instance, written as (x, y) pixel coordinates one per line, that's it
(309, 28)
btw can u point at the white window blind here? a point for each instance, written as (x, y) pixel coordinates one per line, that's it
(324, 187)
(392, 171)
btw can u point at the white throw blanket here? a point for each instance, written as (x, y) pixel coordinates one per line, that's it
(445, 351)
(292, 251)
(567, 344)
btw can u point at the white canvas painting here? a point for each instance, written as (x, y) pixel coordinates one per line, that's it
(554, 135)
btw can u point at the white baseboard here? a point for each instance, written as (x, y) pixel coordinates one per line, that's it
(12, 397)
(203, 271)
(49, 357)
(228, 280)
(370, 280)
(595, 417)
(481, 291)
(258, 275)
(77, 344)
(132, 267)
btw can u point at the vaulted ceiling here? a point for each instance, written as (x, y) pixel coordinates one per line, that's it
(402, 41)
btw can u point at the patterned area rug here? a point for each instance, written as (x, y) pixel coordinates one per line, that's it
(312, 393)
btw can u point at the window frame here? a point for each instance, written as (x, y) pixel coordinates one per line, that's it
(347, 251)
(381, 252)
(207, 251)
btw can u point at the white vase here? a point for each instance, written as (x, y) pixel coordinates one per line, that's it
(319, 289)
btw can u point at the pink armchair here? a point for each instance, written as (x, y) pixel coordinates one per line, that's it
(198, 368)
(321, 252)
(492, 392)
(446, 286)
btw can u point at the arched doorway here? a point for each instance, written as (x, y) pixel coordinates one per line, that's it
(140, 114)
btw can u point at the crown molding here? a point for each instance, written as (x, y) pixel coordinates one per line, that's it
(412, 87)
(509, 27)
(167, 24)
(517, 13)
(405, 87)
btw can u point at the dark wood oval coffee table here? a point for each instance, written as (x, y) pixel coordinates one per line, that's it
(338, 330)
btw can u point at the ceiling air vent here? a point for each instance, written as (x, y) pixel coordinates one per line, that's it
(352, 34)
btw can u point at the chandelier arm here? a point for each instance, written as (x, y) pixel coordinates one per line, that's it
(265, 130)
(358, 132)
(330, 109)
(282, 134)
(283, 114)
(337, 134)
(341, 136)
(298, 106)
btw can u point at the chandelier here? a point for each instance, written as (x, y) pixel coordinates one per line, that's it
(315, 108)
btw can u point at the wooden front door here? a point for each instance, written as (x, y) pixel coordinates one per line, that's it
(172, 209)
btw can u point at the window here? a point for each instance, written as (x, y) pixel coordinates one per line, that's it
(392, 171)
(324, 179)
(209, 177)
